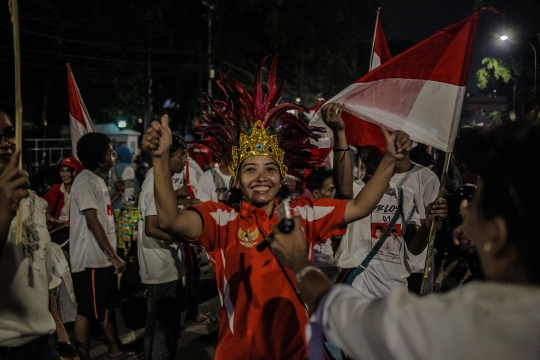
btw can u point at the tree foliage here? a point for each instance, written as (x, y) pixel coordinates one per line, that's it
(497, 69)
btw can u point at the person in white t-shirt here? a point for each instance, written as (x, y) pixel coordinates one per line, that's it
(161, 267)
(26, 325)
(393, 263)
(321, 186)
(92, 248)
(494, 319)
(214, 184)
(421, 180)
(123, 171)
(425, 185)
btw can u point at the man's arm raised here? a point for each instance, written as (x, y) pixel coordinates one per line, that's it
(157, 140)
(343, 173)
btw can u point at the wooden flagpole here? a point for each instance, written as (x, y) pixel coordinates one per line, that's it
(431, 241)
(374, 37)
(18, 100)
(432, 229)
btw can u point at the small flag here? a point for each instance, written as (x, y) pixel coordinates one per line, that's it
(79, 118)
(381, 53)
(420, 91)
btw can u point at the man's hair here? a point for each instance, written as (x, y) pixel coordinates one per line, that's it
(9, 110)
(91, 149)
(178, 142)
(378, 227)
(394, 231)
(315, 180)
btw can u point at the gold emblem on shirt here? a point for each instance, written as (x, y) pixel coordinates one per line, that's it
(247, 237)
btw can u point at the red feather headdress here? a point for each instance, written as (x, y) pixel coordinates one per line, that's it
(245, 125)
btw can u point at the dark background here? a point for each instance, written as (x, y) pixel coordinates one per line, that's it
(115, 47)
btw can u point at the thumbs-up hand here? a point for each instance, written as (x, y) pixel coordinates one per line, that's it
(158, 137)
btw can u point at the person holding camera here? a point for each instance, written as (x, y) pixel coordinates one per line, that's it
(496, 319)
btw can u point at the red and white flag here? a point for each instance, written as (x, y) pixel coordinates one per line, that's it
(381, 53)
(79, 118)
(419, 91)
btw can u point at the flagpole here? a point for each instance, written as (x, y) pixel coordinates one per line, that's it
(374, 36)
(80, 98)
(18, 100)
(431, 241)
(432, 228)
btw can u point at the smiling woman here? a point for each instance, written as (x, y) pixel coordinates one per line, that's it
(262, 314)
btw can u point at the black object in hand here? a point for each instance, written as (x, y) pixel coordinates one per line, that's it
(286, 222)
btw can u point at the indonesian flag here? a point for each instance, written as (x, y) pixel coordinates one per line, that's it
(381, 53)
(79, 118)
(419, 91)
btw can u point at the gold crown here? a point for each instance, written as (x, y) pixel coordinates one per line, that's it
(258, 143)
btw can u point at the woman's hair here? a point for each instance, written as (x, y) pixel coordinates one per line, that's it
(315, 180)
(178, 142)
(509, 190)
(91, 149)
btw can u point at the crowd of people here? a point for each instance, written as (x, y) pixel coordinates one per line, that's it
(341, 284)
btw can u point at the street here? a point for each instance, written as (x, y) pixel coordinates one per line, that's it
(197, 341)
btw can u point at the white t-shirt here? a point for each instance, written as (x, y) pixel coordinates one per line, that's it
(25, 272)
(64, 213)
(208, 186)
(323, 254)
(160, 261)
(178, 180)
(393, 264)
(89, 191)
(480, 320)
(423, 182)
(195, 170)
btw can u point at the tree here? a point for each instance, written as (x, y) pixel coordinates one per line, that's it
(497, 69)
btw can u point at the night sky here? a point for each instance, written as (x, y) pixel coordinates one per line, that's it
(415, 20)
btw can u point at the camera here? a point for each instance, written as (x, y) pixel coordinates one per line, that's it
(285, 221)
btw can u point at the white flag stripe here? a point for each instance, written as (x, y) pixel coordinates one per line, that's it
(77, 131)
(427, 110)
(376, 62)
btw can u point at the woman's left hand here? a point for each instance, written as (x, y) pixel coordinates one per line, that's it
(397, 143)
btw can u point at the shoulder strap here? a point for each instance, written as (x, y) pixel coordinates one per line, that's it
(363, 266)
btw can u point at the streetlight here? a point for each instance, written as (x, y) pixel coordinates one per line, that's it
(504, 38)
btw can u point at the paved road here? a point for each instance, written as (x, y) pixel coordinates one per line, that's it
(197, 341)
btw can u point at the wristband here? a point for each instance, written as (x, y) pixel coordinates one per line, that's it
(300, 275)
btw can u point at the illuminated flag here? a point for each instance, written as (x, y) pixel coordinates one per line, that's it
(380, 52)
(420, 91)
(79, 118)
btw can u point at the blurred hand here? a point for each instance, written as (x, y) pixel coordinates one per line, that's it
(461, 240)
(158, 137)
(119, 264)
(182, 192)
(436, 211)
(290, 249)
(331, 116)
(14, 185)
(187, 202)
(119, 186)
